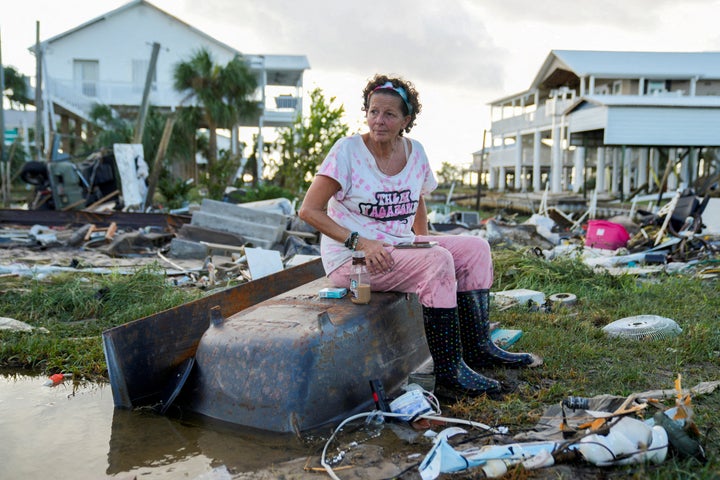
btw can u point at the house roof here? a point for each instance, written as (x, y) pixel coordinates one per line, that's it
(282, 64)
(511, 97)
(607, 64)
(646, 64)
(123, 8)
(614, 64)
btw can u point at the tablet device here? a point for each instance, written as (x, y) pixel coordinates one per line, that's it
(415, 245)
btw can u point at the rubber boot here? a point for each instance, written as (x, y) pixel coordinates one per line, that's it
(443, 337)
(478, 348)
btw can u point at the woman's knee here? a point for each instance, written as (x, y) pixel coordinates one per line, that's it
(437, 287)
(440, 260)
(478, 244)
(475, 249)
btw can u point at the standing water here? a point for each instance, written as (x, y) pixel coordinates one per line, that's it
(74, 432)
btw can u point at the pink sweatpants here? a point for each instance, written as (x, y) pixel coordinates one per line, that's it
(459, 263)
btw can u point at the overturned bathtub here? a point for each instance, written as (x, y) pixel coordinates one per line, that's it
(270, 354)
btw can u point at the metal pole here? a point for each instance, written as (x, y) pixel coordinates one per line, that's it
(140, 126)
(480, 171)
(259, 160)
(38, 95)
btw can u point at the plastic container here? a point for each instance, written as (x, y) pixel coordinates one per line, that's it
(411, 405)
(56, 379)
(606, 235)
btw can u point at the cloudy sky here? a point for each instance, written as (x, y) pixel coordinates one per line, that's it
(461, 54)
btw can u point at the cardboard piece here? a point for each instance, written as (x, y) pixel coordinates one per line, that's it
(262, 262)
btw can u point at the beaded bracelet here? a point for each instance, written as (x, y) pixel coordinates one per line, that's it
(352, 241)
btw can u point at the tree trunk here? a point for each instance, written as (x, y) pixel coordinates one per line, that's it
(212, 146)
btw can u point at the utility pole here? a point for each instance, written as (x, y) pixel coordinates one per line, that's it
(38, 95)
(140, 126)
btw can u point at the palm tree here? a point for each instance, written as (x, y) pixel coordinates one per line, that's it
(222, 93)
(16, 89)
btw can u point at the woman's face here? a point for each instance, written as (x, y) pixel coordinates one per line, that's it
(385, 116)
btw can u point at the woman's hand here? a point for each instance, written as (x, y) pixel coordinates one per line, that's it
(377, 258)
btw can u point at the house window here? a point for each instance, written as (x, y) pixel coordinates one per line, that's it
(656, 86)
(86, 74)
(617, 87)
(139, 74)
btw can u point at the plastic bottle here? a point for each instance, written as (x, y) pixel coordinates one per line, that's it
(359, 279)
(56, 379)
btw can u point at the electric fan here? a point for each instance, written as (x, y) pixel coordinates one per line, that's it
(643, 327)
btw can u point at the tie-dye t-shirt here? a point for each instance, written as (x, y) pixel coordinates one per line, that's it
(377, 206)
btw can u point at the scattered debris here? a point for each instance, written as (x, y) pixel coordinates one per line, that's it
(567, 299)
(18, 326)
(56, 379)
(603, 431)
(643, 327)
(216, 234)
(519, 296)
(225, 242)
(220, 242)
(606, 235)
(524, 234)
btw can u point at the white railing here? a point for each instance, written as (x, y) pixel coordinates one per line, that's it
(539, 118)
(502, 157)
(507, 156)
(71, 96)
(114, 93)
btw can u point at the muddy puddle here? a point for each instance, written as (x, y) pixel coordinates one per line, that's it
(74, 431)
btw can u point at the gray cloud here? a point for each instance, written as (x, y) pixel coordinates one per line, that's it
(635, 14)
(429, 40)
(446, 47)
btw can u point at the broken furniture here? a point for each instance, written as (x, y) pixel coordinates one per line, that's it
(682, 214)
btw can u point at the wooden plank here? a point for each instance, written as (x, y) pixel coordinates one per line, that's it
(83, 217)
(143, 355)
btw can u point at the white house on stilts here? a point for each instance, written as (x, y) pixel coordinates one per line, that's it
(607, 121)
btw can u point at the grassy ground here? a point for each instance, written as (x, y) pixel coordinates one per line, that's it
(580, 360)
(70, 312)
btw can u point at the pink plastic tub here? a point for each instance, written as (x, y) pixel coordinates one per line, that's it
(606, 235)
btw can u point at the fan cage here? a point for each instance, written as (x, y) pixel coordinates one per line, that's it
(641, 327)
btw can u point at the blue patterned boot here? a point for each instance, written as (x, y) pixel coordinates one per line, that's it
(451, 372)
(478, 348)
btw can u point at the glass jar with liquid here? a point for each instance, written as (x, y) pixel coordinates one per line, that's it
(359, 279)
